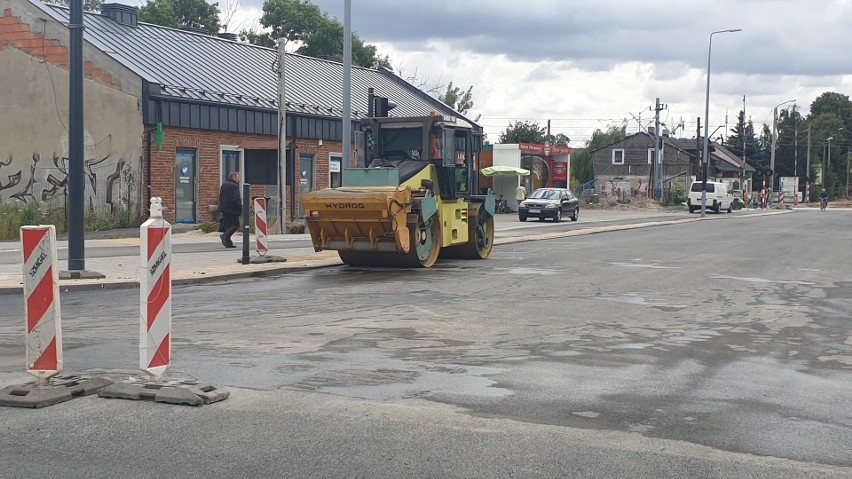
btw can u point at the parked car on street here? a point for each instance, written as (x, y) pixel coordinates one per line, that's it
(550, 203)
(717, 198)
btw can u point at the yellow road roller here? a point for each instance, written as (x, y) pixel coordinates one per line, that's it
(415, 200)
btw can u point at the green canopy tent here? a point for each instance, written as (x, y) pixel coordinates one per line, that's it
(504, 171)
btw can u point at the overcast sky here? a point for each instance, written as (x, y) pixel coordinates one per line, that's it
(588, 64)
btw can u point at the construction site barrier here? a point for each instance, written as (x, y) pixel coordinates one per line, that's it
(260, 226)
(155, 293)
(41, 301)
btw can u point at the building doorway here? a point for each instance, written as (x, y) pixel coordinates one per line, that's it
(306, 179)
(186, 205)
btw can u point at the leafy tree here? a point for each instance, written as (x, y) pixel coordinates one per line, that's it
(383, 62)
(531, 132)
(822, 127)
(326, 41)
(765, 144)
(292, 20)
(318, 35)
(523, 132)
(256, 37)
(159, 12)
(582, 163)
(734, 141)
(560, 139)
(836, 103)
(181, 13)
(455, 98)
(790, 127)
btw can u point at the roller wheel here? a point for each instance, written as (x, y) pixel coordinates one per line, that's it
(425, 246)
(480, 234)
(425, 243)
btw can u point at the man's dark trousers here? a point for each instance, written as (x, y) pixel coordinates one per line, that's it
(231, 224)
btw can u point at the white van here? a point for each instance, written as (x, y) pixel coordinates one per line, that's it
(718, 197)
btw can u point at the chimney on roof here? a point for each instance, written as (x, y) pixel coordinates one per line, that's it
(666, 132)
(123, 14)
(228, 36)
(651, 131)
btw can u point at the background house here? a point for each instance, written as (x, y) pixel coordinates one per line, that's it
(216, 100)
(624, 169)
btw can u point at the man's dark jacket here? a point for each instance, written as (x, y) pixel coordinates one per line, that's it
(229, 198)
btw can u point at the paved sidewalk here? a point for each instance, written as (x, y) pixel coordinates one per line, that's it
(118, 258)
(215, 264)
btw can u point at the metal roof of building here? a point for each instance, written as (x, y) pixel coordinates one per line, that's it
(685, 144)
(199, 67)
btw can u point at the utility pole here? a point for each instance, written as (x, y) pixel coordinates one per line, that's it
(547, 145)
(76, 175)
(772, 154)
(704, 166)
(282, 142)
(808, 178)
(698, 148)
(658, 167)
(847, 172)
(744, 148)
(796, 164)
(347, 89)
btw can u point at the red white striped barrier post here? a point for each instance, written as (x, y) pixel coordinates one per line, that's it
(155, 351)
(44, 329)
(781, 198)
(41, 302)
(261, 239)
(155, 293)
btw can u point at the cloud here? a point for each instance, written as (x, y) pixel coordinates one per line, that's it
(589, 63)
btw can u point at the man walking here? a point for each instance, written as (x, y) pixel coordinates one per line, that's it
(520, 192)
(231, 207)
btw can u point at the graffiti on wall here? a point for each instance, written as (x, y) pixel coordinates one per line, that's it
(111, 181)
(623, 189)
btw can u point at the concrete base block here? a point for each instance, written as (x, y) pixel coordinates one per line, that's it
(81, 274)
(57, 390)
(266, 259)
(191, 393)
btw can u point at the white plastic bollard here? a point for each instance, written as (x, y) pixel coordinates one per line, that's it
(155, 293)
(261, 239)
(41, 301)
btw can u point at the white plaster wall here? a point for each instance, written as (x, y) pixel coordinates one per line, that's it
(507, 155)
(33, 135)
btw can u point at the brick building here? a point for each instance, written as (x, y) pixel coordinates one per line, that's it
(213, 98)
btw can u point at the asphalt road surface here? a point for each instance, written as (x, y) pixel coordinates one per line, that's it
(719, 348)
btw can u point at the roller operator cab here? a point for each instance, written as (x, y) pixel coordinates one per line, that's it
(414, 200)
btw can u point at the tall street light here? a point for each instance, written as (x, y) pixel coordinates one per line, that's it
(707, 121)
(847, 171)
(828, 160)
(774, 139)
(828, 156)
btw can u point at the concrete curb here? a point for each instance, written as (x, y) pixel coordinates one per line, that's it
(328, 259)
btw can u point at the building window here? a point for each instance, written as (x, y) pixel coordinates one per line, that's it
(651, 156)
(231, 163)
(618, 156)
(334, 170)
